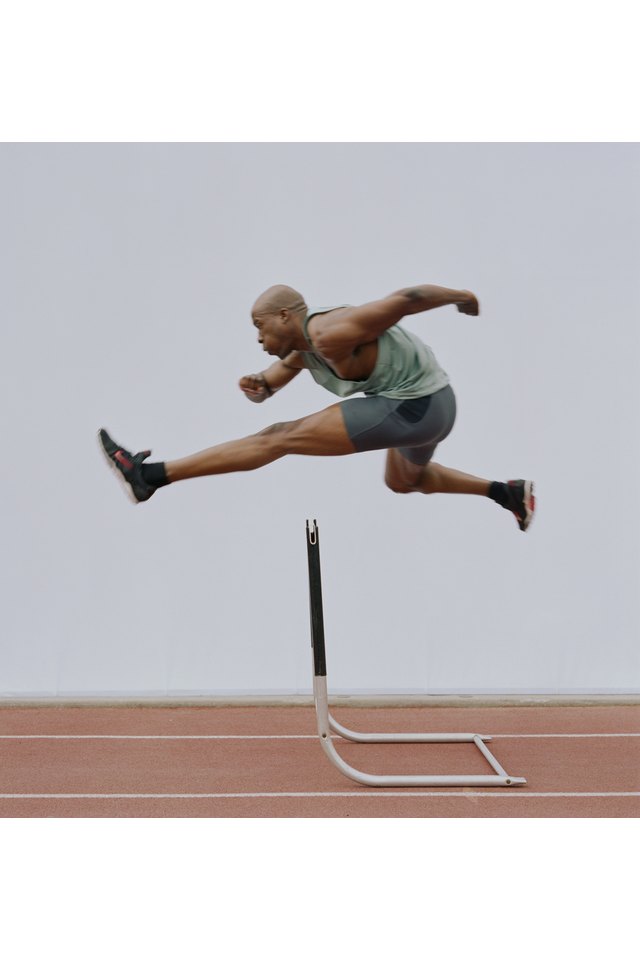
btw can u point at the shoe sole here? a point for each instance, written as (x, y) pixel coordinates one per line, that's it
(529, 504)
(127, 486)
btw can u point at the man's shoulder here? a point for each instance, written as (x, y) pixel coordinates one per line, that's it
(323, 311)
(324, 317)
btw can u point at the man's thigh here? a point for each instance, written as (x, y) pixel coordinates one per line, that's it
(321, 434)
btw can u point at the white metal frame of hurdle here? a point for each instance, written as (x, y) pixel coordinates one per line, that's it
(326, 723)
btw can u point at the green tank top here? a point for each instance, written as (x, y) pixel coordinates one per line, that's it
(406, 367)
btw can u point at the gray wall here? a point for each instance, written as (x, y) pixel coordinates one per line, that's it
(128, 273)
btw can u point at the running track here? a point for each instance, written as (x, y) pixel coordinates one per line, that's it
(579, 761)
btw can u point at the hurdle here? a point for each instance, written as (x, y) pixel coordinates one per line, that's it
(327, 724)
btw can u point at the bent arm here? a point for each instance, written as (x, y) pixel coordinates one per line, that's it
(261, 386)
(338, 333)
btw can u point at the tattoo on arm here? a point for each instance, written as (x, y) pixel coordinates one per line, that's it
(414, 294)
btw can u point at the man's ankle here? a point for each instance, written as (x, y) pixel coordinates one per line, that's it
(498, 492)
(155, 474)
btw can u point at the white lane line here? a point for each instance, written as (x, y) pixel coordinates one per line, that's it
(281, 736)
(546, 736)
(123, 736)
(463, 793)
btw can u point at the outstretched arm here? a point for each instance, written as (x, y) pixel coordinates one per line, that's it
(427, 297)
(336, 335)
(260, 386)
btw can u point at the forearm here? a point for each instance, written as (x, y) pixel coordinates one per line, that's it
(427, 297)
(280, 373)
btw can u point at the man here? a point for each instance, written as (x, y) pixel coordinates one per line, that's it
(408, 406)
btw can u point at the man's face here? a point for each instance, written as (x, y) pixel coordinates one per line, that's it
(272, 333)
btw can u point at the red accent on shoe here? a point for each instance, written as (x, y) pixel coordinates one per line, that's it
(120, 457)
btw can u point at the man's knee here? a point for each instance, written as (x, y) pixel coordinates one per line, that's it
(275, 428)
(400, 488)
(400, 485)
(407, 483)
(279, 435)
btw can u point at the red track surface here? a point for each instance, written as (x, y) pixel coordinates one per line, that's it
(268, 762)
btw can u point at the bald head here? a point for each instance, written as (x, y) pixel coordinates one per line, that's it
(277, 298)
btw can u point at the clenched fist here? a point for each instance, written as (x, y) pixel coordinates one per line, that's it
(255, 387)
(469, 305)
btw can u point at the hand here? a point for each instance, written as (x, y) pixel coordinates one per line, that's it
(255, 388)
(469, 305)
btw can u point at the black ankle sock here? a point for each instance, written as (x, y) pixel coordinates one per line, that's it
(498, 492)
(155, 474)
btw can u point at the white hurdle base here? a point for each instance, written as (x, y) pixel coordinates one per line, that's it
(327, 724)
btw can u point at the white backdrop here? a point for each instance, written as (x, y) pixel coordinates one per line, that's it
(127, 276)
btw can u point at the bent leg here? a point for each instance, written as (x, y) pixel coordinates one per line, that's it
(322, 434)
(402, 476)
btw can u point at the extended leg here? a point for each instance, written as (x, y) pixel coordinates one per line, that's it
(322, 434)
(319, 435)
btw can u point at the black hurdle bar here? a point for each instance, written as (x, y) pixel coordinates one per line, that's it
(315, 600)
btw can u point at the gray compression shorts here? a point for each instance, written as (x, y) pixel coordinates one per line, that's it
(413, 427)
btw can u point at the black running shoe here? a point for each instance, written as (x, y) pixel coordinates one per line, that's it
(128, 467)
(522, 502)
